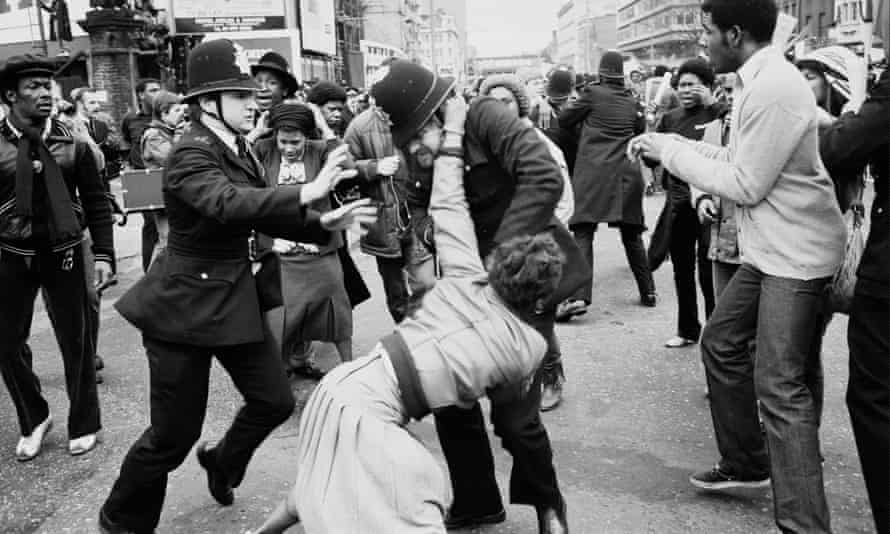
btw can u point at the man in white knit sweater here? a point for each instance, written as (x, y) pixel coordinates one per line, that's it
(791, 241)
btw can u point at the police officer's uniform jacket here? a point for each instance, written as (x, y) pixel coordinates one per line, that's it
(202, 291)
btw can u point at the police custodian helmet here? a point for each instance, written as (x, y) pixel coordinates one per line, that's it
(218, 66)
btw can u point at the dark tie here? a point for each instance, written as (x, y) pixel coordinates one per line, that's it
(245, 154)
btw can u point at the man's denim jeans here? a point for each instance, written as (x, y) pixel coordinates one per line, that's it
(784, 316)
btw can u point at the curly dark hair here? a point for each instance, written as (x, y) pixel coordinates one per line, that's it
(526, 270)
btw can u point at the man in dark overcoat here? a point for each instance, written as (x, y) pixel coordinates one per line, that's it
(200, 298)
(608, 187)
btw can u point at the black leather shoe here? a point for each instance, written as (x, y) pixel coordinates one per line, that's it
(457, 522)
(552, 520)
(98, 362)
(649, 300)
(216, 480)
(107, 526)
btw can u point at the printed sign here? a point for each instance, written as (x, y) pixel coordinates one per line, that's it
(204, 16)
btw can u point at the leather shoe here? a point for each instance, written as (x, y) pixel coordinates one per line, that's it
(82, 445)
(455, 522)
(216, 479)
(552, 520)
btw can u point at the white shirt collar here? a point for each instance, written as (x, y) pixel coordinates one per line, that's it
(225, 135)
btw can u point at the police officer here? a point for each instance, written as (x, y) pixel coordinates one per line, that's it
(50, 189)
(200, 298)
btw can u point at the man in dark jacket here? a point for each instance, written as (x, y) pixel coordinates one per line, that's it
(200, 299)
(513, 186)
(857, 139)
(608, 187)
(50, 189)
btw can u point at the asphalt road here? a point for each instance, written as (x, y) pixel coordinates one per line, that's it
(633, 426)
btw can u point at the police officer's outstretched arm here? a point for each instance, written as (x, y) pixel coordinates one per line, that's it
(195, 177)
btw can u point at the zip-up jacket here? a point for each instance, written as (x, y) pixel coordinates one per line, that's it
(85, 188)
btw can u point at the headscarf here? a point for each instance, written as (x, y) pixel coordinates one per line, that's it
(292, 115)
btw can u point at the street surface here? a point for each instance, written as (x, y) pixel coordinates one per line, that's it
(633, 426)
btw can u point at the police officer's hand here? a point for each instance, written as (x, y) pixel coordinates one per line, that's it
(104, 273)
(357, 216)
(330, 175)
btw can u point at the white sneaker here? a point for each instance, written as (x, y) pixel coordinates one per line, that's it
(82, 445)
(28, 447)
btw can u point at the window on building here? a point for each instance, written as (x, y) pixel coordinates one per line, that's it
(4, 6)
(25, 4)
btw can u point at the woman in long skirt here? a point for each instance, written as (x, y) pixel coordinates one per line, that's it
(358, 469)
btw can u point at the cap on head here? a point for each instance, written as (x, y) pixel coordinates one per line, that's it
(216, 67)
(410, 94)
(275, 62)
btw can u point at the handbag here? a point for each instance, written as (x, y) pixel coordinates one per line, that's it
(843, 285)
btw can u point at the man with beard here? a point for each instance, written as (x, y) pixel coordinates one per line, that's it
(513, 186)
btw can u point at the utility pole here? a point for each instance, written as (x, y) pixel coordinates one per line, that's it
(38, 5)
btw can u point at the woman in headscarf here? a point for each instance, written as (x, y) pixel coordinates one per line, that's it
(316, 305)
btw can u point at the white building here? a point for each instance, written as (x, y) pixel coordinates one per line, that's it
(374, 54)
(441, 46)
(585, 28)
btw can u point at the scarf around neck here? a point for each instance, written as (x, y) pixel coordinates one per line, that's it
(35, 161)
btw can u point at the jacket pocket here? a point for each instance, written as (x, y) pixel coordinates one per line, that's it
(13, 227)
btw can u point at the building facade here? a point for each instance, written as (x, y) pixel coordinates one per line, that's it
(659, 31)
(374, 54)
(815, 18)
(441, 47)
(585, 30)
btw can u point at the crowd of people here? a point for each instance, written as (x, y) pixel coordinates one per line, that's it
(480, 209)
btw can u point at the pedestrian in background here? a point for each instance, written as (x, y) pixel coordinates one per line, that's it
(608, 187)
(133, 126)
(679, 231)
(277, 84)
(168, 114)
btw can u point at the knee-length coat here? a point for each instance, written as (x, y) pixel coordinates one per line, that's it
(608, 186)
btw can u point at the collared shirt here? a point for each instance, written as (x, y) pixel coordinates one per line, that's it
(225, 135)
(789, 221)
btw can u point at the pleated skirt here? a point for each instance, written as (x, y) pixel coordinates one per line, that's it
(359, 471)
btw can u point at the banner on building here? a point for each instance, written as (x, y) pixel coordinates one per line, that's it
(207, 16)
(317, 26)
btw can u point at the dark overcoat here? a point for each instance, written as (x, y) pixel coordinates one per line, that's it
(201, 290)
(608, 187)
